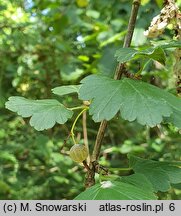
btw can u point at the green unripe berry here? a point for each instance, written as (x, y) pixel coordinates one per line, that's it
(78, 153)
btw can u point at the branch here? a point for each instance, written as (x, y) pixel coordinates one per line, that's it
(84, 124)
(119, 71)
(132, 21)
(127, 41)
(99, 139)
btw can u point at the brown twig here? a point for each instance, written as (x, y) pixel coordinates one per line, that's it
(99, 139)
(84, 119)
(118, 73)
(121, 69)
(86, 165)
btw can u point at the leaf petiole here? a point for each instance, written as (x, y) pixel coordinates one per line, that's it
(73, 126)
(78, 107)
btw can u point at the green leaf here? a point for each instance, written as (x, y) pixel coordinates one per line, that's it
(173, 171)
(136, 100)
(160, 174)
(156, 54)
(138, 180)
(150, 169)
(175, 117)
(165, 44)
(107, 62)
(116, 190)
(64, 90)
(44, 113)
(127, 54)
(157, 176)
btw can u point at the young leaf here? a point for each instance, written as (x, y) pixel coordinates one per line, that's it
(136, 100)
(64, 90)
(127, 54)
(116, 190)
(160, 174)
(44, 113)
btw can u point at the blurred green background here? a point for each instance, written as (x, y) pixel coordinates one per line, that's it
(49, 43)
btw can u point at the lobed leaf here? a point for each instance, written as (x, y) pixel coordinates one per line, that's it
(44, 113)
(160, 174)
(136, 100)
(173, 171)
(155, 174)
